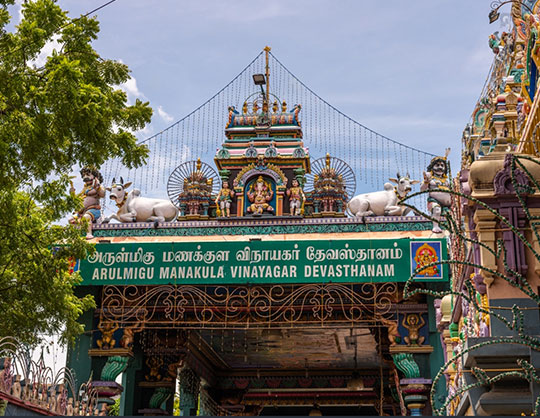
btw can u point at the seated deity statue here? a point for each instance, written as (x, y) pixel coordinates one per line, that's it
(259, 194)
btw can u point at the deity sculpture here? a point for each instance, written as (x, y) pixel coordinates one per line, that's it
(129, 336)
(259, 194)
(413, 323)
(436, 179)
(296, 198)
(107, 340)
(494, 42)
(91, 193)
(224, 199)
(520, 57)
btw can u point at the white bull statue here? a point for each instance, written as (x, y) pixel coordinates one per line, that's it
(384, 202)
(132, 207)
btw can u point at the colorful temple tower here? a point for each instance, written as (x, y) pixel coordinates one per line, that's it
(489, 324)
(263, 297)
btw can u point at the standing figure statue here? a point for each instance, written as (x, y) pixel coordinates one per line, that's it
(91, 193)
(224, 199)
(436, 177)
(259, 194)
(296, 198)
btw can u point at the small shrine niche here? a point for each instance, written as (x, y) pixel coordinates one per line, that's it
(192, 187)
(329, 186)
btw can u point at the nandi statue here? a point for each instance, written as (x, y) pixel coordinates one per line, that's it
(384, 202)
(134, 208)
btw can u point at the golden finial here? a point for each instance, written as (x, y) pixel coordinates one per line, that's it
(327, 160)
(267, 48)
(244, 108)
(275, 107)
(199, 164)
(255, 107)
(283, 107)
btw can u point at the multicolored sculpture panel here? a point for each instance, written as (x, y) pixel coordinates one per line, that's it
(196, 194)
(132, 207)
(329, 189)
(436, 179)
(91, 193)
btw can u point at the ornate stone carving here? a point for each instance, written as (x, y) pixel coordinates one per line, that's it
(503, 179)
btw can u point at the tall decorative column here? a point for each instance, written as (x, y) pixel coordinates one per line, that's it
(117, 358)
(189, 384)
(414, 387)
(485, 227)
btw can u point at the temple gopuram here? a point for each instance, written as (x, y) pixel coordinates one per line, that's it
(489, 321)
(276, 257)
(262, 285)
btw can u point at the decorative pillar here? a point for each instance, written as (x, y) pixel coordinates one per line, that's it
(117, 358)
(414, 387)
(107, 387)
(239, 193)
(189, 391)
(535, 214)
(485, 227)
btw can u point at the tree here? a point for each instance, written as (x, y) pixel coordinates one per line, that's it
(65, 113)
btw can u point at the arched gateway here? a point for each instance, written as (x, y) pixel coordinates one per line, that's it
(262, 297)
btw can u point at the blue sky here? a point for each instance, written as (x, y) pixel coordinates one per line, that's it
(409, 70)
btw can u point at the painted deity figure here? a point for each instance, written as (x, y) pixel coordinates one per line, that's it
(436, 178)
(520, 57)
(107, 340)
(224, 199)
(259, 194)
(296, 198)
(91, 193)
(413, 323)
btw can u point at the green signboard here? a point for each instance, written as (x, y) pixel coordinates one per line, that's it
(310, 261)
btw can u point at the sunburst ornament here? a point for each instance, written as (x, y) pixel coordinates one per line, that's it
(331, 170)
(192, 178)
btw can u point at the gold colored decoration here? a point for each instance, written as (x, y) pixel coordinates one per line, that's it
(129, 335)
(193, 306)
(393, 333)
(426, 255)
(413, 323)
(154, 363)
(252, 166)
(107, 340)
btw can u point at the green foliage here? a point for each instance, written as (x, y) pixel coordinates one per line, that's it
(66, 112)
(114, 409)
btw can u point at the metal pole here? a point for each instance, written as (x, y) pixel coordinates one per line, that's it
(267, 54)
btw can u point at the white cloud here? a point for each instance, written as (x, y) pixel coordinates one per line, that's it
(18, 5)
(164, 115)
(46, 51)
(132, 90)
